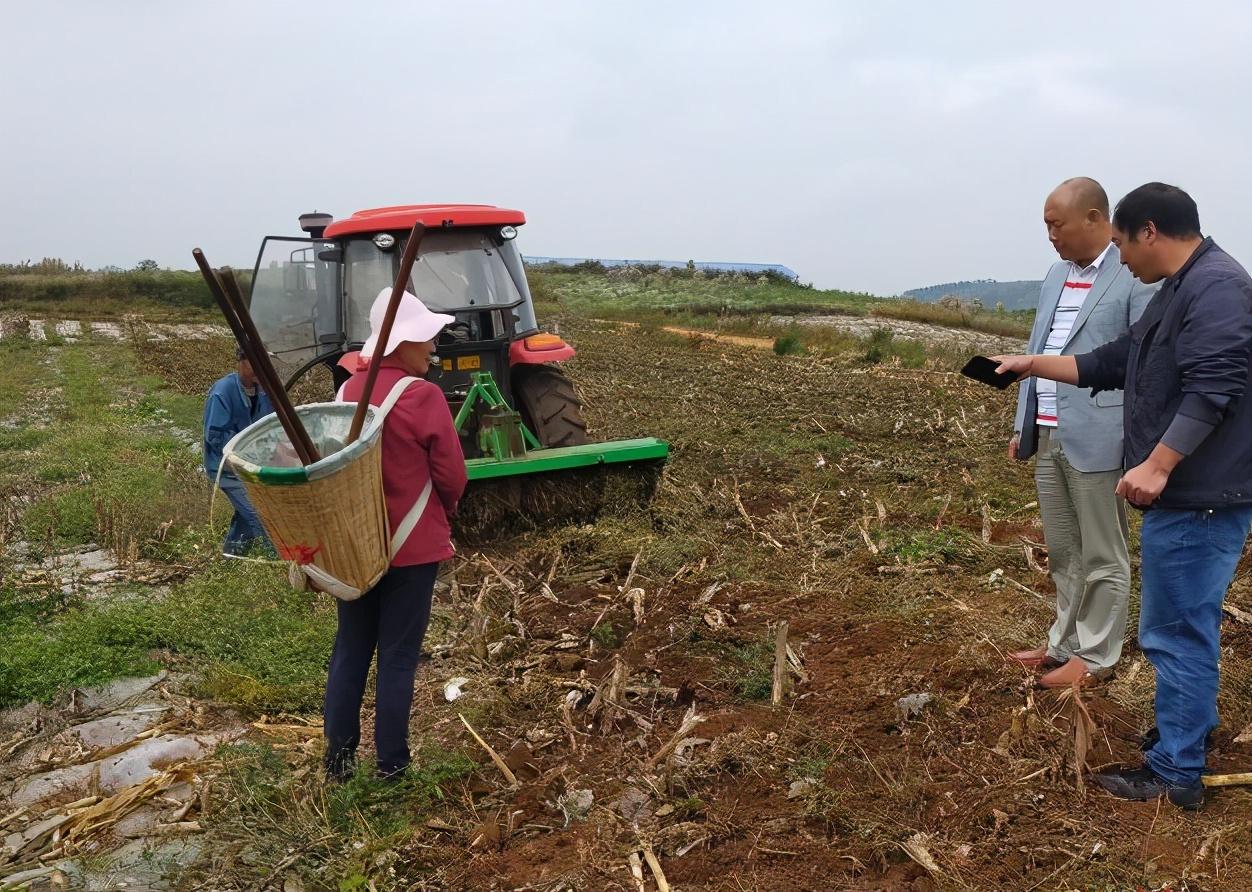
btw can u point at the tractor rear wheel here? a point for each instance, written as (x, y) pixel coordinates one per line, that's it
(549, 405)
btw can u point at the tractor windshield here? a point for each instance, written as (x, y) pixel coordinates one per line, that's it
(457, 271)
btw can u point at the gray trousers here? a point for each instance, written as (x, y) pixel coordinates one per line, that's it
(1084, 525)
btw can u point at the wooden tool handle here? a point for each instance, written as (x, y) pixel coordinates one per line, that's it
(1228, 780)
(273, 384)
(282, 407)
(384, 331)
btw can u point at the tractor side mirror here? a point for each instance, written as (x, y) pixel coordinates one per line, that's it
(331, 255)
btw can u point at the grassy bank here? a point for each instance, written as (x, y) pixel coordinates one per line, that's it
(1015, 324)
(736, 303)
(626, 292)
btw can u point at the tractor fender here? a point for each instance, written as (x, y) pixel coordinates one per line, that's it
(537, 350)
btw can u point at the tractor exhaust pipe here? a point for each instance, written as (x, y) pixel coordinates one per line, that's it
(315, 223)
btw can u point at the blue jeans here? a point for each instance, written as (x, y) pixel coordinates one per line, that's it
(245, 530)
(390, 618)
(1189, 558)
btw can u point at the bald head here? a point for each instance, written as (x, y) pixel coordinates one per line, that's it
(1083, 194)
(1077, 216)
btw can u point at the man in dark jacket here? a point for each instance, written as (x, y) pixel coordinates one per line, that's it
(1184, 367)
(235, 401)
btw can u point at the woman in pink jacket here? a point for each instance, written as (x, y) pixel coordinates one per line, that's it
(421, 458)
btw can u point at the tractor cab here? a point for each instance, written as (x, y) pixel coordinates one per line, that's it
(311, 298)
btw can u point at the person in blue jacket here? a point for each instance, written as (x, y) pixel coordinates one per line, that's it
(234, 402)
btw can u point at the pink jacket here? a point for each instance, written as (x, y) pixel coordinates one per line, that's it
(419, 444)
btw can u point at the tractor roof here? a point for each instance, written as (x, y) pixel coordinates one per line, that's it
(432, 216)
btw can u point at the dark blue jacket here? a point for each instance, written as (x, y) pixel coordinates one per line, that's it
(227, 411)
(1185, 366)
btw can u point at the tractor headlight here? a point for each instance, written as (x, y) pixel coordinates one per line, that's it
(508, 232)
(385, 241)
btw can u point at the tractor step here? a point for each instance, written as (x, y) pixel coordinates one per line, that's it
(538, 461)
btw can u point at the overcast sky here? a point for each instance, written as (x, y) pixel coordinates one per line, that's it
(869, 146)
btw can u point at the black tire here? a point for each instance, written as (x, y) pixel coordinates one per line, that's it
(549, 405)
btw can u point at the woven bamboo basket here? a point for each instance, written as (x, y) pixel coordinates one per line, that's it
(329, 517)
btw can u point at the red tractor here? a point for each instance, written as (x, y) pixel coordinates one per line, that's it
(516, 410)
(311, 299)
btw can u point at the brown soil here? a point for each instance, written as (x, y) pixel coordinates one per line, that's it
(872, 508)
(849, 501)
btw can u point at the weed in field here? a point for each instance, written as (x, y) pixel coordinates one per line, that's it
(921, 546)
(689, 808)
(386, 805)
(745, 667)
(882, 345)
(788, 345)
(606, 635)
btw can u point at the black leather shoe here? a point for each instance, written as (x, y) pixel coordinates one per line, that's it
(1142, 784)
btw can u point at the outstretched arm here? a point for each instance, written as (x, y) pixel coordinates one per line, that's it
(1104, 368)
(1054, 368)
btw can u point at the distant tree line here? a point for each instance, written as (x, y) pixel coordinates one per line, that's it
(1019, 295)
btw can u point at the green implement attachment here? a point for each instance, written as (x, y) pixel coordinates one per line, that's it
(567, 457)
(519, 482)
(501, 433)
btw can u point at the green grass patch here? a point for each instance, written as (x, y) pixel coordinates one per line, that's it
(85, 646)
(254, 641)
(25, 371)
(119, 467)
(347, 836)
(67, 518)
(23, 439)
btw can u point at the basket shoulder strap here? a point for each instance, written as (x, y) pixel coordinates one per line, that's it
(410, 520)
(397, 391)
(407, 525)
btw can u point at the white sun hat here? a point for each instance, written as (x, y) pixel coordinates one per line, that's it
(414, 322)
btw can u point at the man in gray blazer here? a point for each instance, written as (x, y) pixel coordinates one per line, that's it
(1087, 299)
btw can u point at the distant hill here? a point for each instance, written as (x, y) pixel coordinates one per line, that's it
(1023, 295)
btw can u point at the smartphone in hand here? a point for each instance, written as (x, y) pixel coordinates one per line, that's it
(982, 369)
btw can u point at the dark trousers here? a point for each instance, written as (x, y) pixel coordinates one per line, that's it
(392, 618)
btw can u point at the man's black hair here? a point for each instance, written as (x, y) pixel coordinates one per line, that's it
(239, 354)
(1171, 210)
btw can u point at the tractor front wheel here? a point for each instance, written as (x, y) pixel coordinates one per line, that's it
(549, 405)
